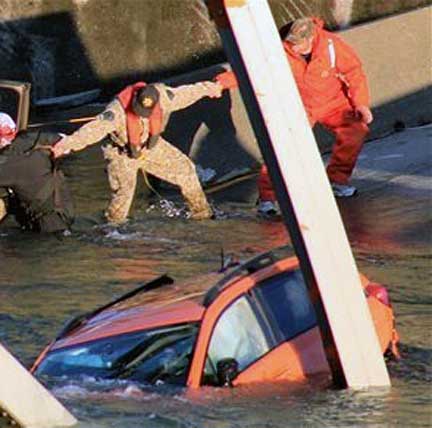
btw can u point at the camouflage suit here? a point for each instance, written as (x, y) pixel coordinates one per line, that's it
(161, 159)
(3, 211)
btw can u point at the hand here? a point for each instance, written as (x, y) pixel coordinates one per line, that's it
(58, 150)
(4, 143)
(365, 114)
(215, 90)
(227, 79)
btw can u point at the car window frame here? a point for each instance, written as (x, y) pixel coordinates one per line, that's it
(267, 312)
(231, 290)
(269, 326)
(265, 318)
(261, 322)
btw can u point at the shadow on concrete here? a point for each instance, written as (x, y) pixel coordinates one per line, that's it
(209, 130)
(47, 51)
(414, 109)
(35, 51)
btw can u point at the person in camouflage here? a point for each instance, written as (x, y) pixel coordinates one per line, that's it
(3, 209)
(134, 121)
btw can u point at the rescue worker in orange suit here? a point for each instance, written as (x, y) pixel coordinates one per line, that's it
(135, 121)
(334, 91)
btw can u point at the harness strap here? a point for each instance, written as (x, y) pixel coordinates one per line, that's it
(332, 57)
(332, 53)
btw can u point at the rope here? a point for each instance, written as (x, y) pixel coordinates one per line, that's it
(147, 182)
(212, 188)
(230, 182)
(55, 122)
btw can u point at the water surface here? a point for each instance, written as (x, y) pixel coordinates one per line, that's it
(45, 280)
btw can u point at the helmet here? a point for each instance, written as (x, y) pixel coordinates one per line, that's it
(7, 130)
(144, 100)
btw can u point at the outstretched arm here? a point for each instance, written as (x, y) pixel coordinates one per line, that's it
(91, 133)
(186, 95)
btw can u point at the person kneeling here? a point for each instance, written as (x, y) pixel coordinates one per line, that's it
(32, 188)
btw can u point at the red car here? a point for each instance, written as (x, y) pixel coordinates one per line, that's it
(251, 323)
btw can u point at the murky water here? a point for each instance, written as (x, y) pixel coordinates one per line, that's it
(44, 281)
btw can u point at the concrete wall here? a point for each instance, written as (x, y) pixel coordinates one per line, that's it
(397, 56)
(66, 46)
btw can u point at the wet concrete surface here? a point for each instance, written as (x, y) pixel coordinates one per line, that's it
(44, 281)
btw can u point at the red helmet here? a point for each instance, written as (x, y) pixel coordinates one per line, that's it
(7, 130)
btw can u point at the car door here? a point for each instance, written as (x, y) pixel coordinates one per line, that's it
(266, 333)
(239, 339)
(296, 349)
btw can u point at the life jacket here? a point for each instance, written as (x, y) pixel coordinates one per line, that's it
(134, 124)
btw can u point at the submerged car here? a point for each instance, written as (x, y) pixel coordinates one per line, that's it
(250, 323)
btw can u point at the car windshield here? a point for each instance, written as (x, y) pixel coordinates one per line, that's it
(145, 356)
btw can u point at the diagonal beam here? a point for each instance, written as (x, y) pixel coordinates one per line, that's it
(25, 401)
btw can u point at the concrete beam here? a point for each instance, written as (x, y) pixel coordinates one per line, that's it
(25, 400)
(271, 98)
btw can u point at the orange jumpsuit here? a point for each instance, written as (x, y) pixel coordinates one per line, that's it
(332, 84)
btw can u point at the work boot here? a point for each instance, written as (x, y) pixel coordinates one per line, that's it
(202, 215)
(343, 190)
(267, 208)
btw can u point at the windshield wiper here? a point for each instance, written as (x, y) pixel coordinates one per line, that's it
(83, 318)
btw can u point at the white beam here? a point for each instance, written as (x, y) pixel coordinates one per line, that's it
(25, 400)
(254, 49)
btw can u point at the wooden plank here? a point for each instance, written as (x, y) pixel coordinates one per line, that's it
(25, 400)
(271, 98)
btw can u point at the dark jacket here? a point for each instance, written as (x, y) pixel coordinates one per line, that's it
(38, 196)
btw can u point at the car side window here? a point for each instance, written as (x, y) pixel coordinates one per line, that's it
(238, 336)
(286, 302)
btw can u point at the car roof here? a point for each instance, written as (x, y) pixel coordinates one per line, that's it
(168, 303)
(176, 303)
